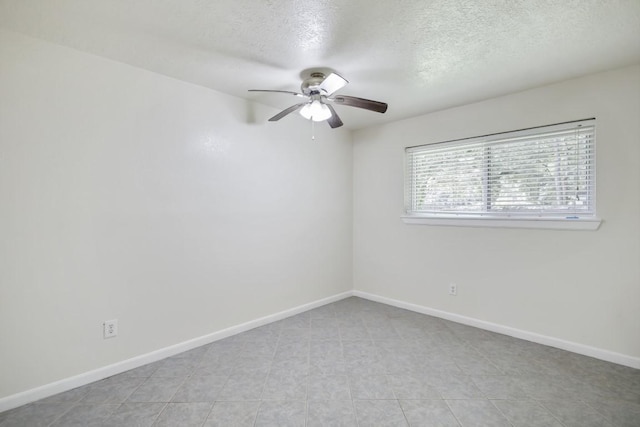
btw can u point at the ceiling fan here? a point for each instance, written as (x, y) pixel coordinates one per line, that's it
(319, 91)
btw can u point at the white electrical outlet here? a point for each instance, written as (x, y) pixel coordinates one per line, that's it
(110, 328)
(453, 289)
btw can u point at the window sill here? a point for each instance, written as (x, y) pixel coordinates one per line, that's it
(560, 223)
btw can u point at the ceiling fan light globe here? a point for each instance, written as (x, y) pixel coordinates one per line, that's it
(306, 111)
(316, 111)
(321, 114)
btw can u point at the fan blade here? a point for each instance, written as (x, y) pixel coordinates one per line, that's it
(367, 104)
(332, 83)
(277, 91)
(334, 121)
(289, 110)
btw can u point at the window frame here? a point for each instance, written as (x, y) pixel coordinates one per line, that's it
(531, 219)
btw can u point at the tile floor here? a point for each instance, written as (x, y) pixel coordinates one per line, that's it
(354, 363)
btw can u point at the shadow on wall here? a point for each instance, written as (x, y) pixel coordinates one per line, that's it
(250, 112)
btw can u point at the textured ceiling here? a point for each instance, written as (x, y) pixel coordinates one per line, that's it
(417, 55)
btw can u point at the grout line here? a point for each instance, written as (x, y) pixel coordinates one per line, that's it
(155, 420)
(500, 412)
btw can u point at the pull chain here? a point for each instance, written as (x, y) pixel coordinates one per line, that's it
(313, 128)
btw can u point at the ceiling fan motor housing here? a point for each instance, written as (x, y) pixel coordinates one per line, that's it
(311, 85)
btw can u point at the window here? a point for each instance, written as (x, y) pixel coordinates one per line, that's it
(545, 174)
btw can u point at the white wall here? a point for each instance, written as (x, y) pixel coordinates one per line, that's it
(175, 209)
(578, 286)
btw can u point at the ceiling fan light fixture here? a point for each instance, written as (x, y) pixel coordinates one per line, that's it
(316, 111)
(319, 91)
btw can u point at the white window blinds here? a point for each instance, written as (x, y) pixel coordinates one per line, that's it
(542, 172)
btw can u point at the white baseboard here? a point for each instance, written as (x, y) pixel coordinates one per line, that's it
(47, 390)
(28, 396)
(598, 353)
